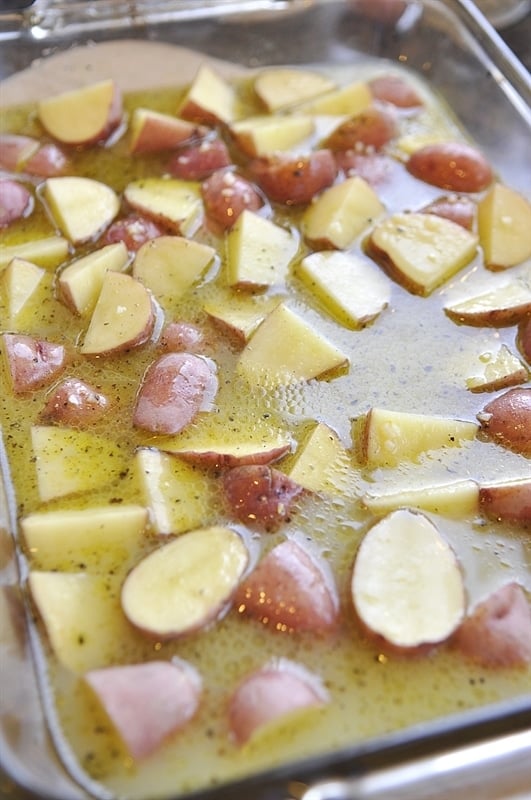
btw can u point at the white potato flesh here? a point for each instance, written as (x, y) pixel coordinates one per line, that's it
(353, 289)
(392, 436)
(82, 618)
(101, 537)
(351, 99)
(210, 93)
(456, 499)
(82, 115)
(48, 253)
(175, 493)
(152, 131)
(264, 135)
(504, 224)
(310, 355)
(322, 463)
(242, 314)
(19, 283)
(504, 305)
(171, 202)
(422, 251)
(281, 87)
(407, 585)
(122, 318)
(80, 283)
(65, 459)
(341, 213)
(499, 370)
(185, 584)
(258, 251)
(170, 265)
(81, 207)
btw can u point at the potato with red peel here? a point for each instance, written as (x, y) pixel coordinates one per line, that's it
(47, 162)
(186, 584)
(82, 116)
(226, 195)
(182, 336)
(294, 180)
(226, 455)
(272, 694)
(152, 131)
(260, 495)
(397, 91)
(504, 305)
(133, 230)
(454, 166)
(456, 208)
(290, 591)
(16, 202)
(147, 703)
(75, 403)
(377, 169)
(407, 587)
(524, 339)
(32, 363)
(370, 130)
(210, 99)
(15, 150)
(508, 502)
(198, 161)
(498, 631)
(82, 208)
(506, 420)
(175, 388)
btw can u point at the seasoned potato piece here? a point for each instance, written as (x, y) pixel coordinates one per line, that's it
(260, 495)
(32, 363)
(15, 202)
(454, 166)
(507, 502)
(507, 420)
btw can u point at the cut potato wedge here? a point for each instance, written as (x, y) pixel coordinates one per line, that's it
(19, 283)
(421, 251)
(281, 87)
(348, 100)
(242, 314)
(499, 371)
(504, 224)
(210, 99)
(101, 537)
(82, 116)
(175, 493)
(507, 502)
(309, 355)
(80, 283)
(170, 265)
(322, 463)
(186, 584)
(81, 641)
(48, 253)
(152, 131)
(220, 454)
(352, 289)
(340, 214)
(81, 207)
(258, 252)
(123, 316)
(263, 135)
(65, 459)
(173, 203)
(389, 437)
(455, 499)
(407, 587)
(504, 305)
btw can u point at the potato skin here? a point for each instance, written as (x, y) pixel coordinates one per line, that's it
(32, 363)
(524, 339)
(198, 161)
(133, 230)
(395, 90)
(226, 194)
(456, 208)
(510, 502)
(370, 130)
(15, 202)
(454, 166)
(75, 403)
(260, 495)
(507, 420)
(294, 181)
(498, 632)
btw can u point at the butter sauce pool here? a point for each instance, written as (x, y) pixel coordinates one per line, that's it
(411, 358)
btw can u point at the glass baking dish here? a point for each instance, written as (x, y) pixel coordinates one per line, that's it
(481, 753)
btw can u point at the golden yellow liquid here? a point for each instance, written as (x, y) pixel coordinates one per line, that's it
(411, 358)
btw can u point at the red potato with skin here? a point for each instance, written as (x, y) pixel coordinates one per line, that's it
(509, 502)
(175, 388)
(199, 161)
(226, 194)
(75, 403)
(234, 454)
(182, 336)
(370, 130)
(498, 631)
(453, 166)
(376, 168)
(32, 363)
(133, 230)
(152, 132)
(290, 591)
(506, 420)
(147, 703)
(456, 208)
(47, 162)
(294, 180)
(524, 339)
(16, 202)
(394, 89)
(260, 495)
(15, 150)
(271, 694)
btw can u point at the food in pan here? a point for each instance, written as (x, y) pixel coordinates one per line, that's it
(266, 405)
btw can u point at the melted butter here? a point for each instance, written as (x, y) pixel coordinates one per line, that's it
(412, 358)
